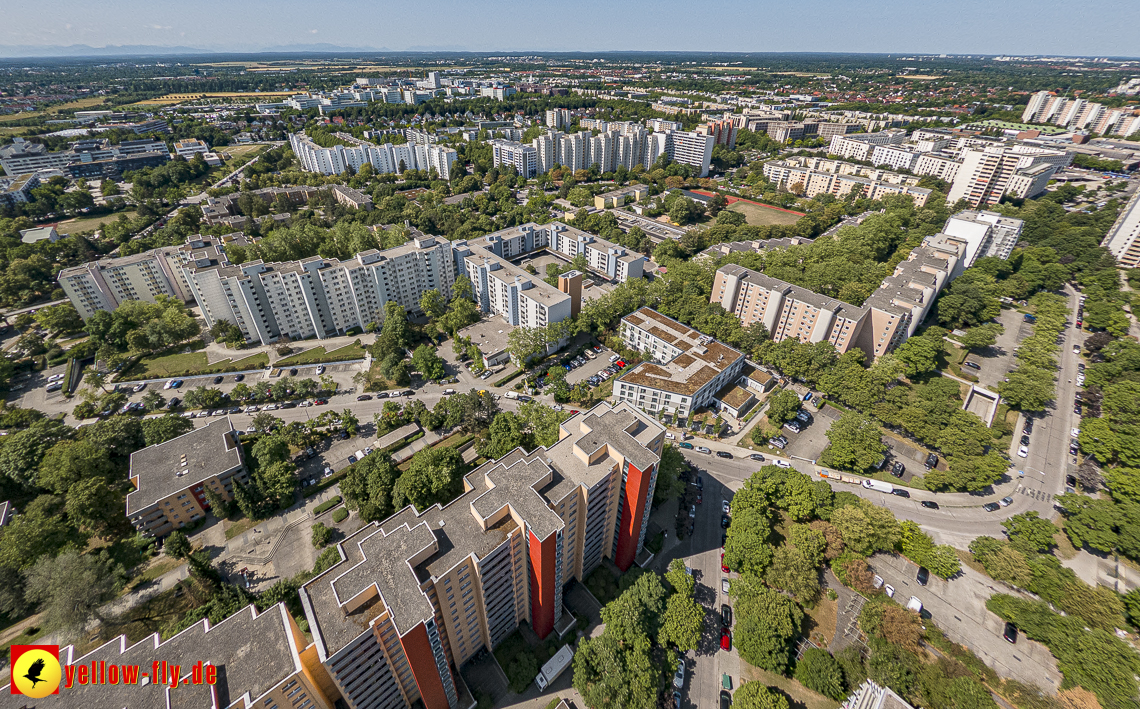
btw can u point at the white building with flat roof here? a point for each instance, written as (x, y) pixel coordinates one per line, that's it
(1123, 239)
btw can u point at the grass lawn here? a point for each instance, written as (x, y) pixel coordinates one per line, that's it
(74, 226)
(761, 216)
(799, 696)
(189, 363)
(821, 623)
(157, 567)
(28, 637)
(238, 151)
(236, 528)
(320, 354)
(82, 103)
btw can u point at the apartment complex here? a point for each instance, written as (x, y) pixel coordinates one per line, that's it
(987, 174)
(1123, 239)
(319, 297)
(884, 321)
(985, 233)
(684, 371)
(383, 158)
(558, 118)
(104, 284)
(759, 246)
(258, 661)
(171, 478)
(605, 258)
(619, 144)
(190, 147)
(860, 146)
(723, 132)
(417, 595)
(91, 157)
(619, 197)
(1081, 114)
(816, 176)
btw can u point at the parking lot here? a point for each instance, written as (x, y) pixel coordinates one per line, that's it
(591, 367)
(995, 362)
(809, 443)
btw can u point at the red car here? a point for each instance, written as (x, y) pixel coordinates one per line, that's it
(620, 363)
(723, 566)
(573, 411)
(321, 402)
(725, 639)
(700, 498)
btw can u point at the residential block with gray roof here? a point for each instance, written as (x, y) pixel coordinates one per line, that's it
(171, 478)
(416, 596)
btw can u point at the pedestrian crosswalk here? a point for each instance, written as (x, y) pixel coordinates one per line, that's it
(1035, 494)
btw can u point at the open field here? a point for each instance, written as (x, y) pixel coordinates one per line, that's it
(239, 151)
(179, 98)
(760, 216)
(78, 104)
(74, 226)
(799, 696)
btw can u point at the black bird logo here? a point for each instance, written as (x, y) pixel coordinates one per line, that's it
(34, 671)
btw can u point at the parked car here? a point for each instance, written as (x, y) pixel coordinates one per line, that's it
(726, 615)
(699, 483)
(897, 469)
(723, 567)
(991, 507)
(321, 369)
(793, 426)
(140, 387)
(725, 507)
(725, 521)
(1023, 451)
(783, 464)
(931, 461)
(756, 457)
(239, 377)
(293, 372)
(351, 459)
(54, 387)
(923, 576)
(1006, 501)
(725, 634)
(779, 442)
(702, 449)
(1009, 632)
(687, 446)
(900, 492)
(365, 397)
(725, 699)
(724, 585)
(929, 504)
(724, 454)
(972, 365)
(679, 675)
(218, 380)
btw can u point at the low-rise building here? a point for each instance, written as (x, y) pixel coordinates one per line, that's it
(619, 197)
(171, 478)
(684, 371)
(860, 146)
(416, 596)
(190, 147)
(42, 233)
(15, 190)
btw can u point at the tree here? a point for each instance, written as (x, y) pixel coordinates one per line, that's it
(68, 462)
(96, 507)
(855, 442)
(265, 422)
(783, 407)
(227, 333)
(893, 623)
(42, 530)
(766, 623)
(817, 670)
(920, 354)
(321, 535)
(177, 545)
(368, 487)
(669, 483)
(791, 571)
(69, 588)
(278, 482)
(433, 304)
(1029, 533)
(982, 336)
(62, 319)
(681, 623)
(428, 363)
(164, 428)
(433, 476)
(754, 695)
(22, 452)
(269, 450)
(153, 401)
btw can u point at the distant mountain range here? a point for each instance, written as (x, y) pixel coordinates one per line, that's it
(17, 51)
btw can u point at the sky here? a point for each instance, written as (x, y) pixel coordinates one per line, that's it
(1069, 27)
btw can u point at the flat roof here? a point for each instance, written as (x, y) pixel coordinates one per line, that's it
(253, 653)
(162, 470)
(701, 359)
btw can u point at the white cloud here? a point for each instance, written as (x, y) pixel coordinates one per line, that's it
(161, 27)
(312, 31)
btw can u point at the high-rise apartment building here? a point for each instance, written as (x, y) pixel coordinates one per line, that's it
(1123, 239)
(558, 118)
(523, 158)
(1081, 114)
(319, 297)
(987, 174)
(860, 146)
(815, 176)
(985, 233)
(611, 261)
(383, 158)
(722, 131)
(417, 595)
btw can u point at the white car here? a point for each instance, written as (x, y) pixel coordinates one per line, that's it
(1075, 433)
(702, 449)
(1076, 349)
(889, 590)
(167, 385)
(783, 463)
(271, 407)
(55, 377)
(251, 409)
(670, 436)
(321, 369)
(724, 585)
(1023, 451)
(724, 506)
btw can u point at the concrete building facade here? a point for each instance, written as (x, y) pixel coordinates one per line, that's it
(1123, 239)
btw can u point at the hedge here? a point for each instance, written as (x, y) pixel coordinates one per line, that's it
(340, 515)
(509, 377)
(326, 505)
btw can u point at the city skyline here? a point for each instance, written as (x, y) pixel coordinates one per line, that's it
(1015, 27)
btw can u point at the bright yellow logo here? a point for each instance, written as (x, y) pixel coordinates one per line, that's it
(35, 670)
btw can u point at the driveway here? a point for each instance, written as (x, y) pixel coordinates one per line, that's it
(998, 360)
(958, 606)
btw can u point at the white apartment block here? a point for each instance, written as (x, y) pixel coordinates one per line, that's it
(985, 233)
(989, 173)
(839, 181)
(686, 370)
(859, 146)
(1081, 114)
(384, 158)
(523, 158)
(610, 260)
(940, 165)
(190, 147)
(660, 125)
(321, 297)
(1123, 239)
(558, 118)
(502, 288)
(106, 283)
(897, 157)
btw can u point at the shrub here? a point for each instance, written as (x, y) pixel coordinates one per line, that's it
(327, 505)
(340, 515)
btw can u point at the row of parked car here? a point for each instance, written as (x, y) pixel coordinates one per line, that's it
(606, 373)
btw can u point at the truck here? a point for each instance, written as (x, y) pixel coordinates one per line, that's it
(554, 667)
(879, 485)
(512, 395)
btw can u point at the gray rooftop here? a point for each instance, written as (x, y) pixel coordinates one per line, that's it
(253, 653)
(183, 462)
